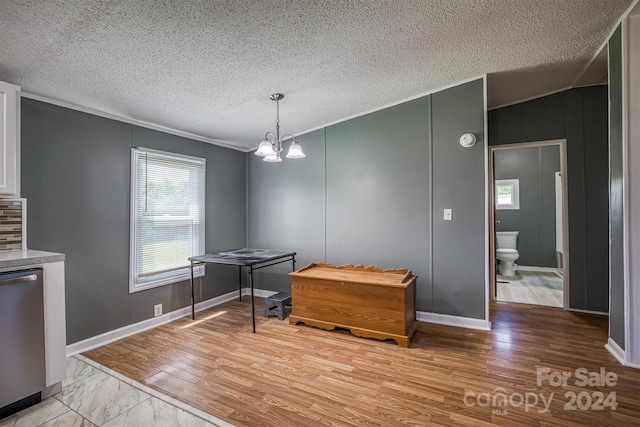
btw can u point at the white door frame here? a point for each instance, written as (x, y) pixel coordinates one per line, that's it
(562, 143)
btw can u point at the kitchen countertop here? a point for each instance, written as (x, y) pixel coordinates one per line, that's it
(24, 257)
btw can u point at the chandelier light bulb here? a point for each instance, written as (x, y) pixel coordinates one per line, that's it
(274, 158)
(265, 149)
(295, 151)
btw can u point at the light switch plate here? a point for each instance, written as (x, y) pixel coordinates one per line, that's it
(448, 214)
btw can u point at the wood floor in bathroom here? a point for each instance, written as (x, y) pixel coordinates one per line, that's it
(531, 287)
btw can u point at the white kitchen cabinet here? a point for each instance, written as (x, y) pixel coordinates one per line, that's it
(9, 140)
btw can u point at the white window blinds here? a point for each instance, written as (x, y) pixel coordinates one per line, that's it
(167, 217)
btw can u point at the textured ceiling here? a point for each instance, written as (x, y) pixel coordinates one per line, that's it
(208, 67)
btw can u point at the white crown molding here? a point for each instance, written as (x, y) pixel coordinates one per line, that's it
(226, 144)
(531, 98)
(136, 122)
(393, 104)
(605, 43)
(593, 85)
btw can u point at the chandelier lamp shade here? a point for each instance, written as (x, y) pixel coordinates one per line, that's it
(271, 146)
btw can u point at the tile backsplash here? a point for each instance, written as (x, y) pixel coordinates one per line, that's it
(12, 224)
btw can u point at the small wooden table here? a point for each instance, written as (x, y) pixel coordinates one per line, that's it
(368, 301)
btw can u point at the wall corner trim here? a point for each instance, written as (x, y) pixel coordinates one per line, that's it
(617, 352)
(126, 331)
(620, 355)
(449, 320)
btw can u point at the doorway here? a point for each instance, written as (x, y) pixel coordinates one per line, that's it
(529, 223)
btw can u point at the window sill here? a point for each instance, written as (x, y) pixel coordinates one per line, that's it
(165, 279)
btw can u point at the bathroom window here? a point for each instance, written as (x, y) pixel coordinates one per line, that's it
(508, 194)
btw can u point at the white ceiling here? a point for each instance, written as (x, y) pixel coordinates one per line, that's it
(208, 67)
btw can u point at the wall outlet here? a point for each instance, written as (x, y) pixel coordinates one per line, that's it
(157, 310)
(448, 214)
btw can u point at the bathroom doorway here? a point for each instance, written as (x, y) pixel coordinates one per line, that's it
(529, 225)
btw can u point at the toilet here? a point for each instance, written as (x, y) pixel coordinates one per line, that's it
(507, 252)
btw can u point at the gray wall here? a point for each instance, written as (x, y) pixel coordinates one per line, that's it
(535, 167)
(458, 182)
(371, 191)
(287, 209)
(76, 178)
(378, 168)
(616, 205)
(580, 117)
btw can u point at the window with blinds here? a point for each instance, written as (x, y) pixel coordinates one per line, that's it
(167, 217)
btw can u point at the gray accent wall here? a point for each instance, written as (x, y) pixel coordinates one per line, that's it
(287, 209)
(378, 168)
(76, 178)
(458, 182)
(535, 221)
(580, 117)
(371, 191)
(616, 203)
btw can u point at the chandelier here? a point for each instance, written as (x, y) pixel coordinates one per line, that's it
(271, 146)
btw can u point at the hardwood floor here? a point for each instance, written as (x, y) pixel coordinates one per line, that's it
(302, 376)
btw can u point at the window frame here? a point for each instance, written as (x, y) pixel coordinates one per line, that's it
(137, 282)
(515, 194)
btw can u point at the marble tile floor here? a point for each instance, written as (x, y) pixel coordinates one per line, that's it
(531, 287)
(93, 395)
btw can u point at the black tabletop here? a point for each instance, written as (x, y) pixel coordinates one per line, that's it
(244, 256)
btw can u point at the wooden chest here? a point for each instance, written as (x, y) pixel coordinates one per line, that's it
(370, 302)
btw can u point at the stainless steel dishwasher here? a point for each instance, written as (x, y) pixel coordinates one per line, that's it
(22, 357)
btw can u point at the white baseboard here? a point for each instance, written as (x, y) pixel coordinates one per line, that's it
(535, 268)
(617, 352)
(461, 322)
(577, 310)
(262, 293)
(620, 355)
(136, 328)
(125, 331)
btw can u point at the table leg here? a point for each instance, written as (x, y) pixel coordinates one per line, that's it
(193, 301)
(253, 311)
(240, 282)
